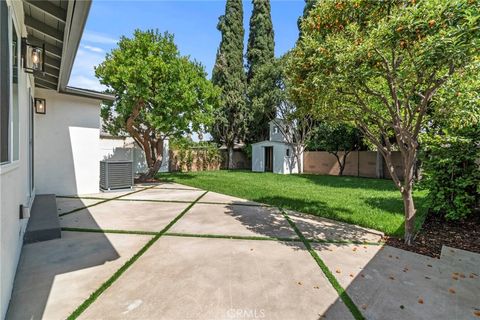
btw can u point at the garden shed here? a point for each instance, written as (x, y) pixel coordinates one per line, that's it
(275, 154)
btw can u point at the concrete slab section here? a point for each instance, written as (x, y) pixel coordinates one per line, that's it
(166, 195)
(110, 194)
(172, 185)
(468, 261)
(314, 227)
(69, 204)
(234, 220)
(222, 198)
(390, 283)
(187, 278)
(125, 215)
(55, 277)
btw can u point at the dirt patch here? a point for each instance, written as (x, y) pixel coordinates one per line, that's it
(151, 180)
(436, 232)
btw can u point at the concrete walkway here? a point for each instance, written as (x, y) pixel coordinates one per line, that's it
(169, 251)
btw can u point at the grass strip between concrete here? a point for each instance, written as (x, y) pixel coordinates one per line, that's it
(148, 233)
(328, 274)
(100, 202)
(200, 202)
(219, 236)
(223, 236)
(80, 309)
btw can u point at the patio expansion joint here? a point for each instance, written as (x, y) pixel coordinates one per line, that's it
(352, 307)
(217, 236)
(80, 309)
(97, 203)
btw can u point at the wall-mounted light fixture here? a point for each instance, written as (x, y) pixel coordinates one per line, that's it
(33, 57)
(40, 106)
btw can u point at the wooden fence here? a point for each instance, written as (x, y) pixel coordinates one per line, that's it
(359, 163)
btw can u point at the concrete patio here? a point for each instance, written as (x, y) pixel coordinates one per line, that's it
(169, 251)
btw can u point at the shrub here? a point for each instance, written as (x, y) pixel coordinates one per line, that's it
(451, 172)
(451, 146)
(205, 155)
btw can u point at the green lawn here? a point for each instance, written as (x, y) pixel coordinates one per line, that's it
(371, 203)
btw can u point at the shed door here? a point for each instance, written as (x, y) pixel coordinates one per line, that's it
(268, 159)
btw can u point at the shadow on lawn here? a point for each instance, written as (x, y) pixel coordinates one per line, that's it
(312, 208)
(347, 182)
(269, 222)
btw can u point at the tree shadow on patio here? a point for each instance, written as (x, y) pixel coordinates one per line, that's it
(270, 222)
(53, 272)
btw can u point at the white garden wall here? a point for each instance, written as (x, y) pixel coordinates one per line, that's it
(67, 145)
(126, 149)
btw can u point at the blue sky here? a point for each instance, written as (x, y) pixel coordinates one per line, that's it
(193, 23)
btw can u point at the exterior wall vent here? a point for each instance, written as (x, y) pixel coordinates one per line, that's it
(116, 175)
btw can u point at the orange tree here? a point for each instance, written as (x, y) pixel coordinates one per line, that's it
(378, 64)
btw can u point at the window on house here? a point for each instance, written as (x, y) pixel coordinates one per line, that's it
(275, 129)
(4, 84)
(288, 152)
(15, 106)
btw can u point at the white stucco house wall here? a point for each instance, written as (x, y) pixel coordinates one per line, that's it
(275, 154)
(57, 151)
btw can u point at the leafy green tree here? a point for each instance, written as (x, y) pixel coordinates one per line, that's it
(158, 93)
(378, 64)
(232, 117)
(337, 139)
(306, 10)
(260, 52)
(451, 147)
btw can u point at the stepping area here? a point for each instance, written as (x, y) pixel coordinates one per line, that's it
(168, 251)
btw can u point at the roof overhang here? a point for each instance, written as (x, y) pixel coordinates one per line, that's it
(88, 93)
(58, 24)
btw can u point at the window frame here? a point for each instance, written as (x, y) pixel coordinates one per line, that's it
(12, 26)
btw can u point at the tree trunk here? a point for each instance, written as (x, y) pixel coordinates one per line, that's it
(299, 155)
(379, 166)
(299, 163)
(155, 162)
(410, 210)
(152, 171)
(380, 162)
(230, 158)
(343, 162)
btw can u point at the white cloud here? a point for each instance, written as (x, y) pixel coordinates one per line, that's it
(84, 82)
(83, 72)
(96, 37)
(94, 49)
(86, 60)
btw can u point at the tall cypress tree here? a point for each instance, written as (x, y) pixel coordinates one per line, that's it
(306, 10)
(228, 73)
(260, 55)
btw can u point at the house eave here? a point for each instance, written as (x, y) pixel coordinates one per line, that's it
(58, 26)
(78, 19)
(88, 93)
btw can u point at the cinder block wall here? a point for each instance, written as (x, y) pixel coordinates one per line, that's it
(362, 164)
